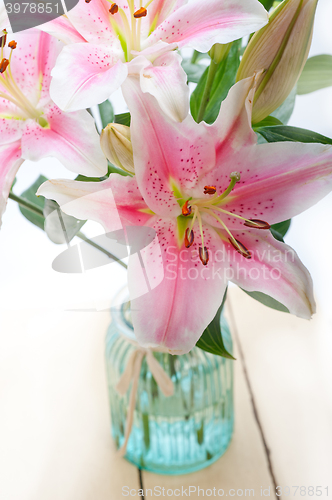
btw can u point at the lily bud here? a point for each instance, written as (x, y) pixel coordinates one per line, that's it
(280, 49)
(116, 145)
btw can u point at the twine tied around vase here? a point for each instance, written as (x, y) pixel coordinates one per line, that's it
(131, 373)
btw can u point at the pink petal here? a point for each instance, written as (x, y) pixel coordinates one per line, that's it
(114, 203)
(10, 161)
(92, 21)
(32, 62)
(280, 180)
(70, 137)
(165, 151)
(274, 269)
(167, 82)
(201, 24)
(10, 130)
(98, 71)
(63, 29)
(174, 314)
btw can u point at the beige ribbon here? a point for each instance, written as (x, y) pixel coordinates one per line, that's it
(131, 373)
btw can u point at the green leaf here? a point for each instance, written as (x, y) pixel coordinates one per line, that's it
(106, 113)
(82, 178)
(60, 227)
(211, 339)
(123, 119)
(267, 4)
(316, 74)
(284, 133)
(267, 301)
(285, 111)
(282, 227)
(223, 81)
(194, 71)
(269, 121)
(30, 195)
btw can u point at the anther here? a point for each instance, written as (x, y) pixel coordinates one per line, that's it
(204, 255)
(114, 9)
(12, 45)
(210, 190)
(189, 240)
(142, 12)
(3, 65)
(239, 247)
(87, 1)
(185, 209)
(3, 38)
(256, 223)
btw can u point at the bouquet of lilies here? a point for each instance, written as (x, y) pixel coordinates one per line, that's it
(212, 171)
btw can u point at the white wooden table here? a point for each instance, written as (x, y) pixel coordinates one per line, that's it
(54, 419)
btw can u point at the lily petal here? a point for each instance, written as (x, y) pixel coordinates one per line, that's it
(92, 21)
(280, 180)
(174, 314)
(175, 154)
(274, 269)
(10, 161)
(114, 203)
(95, 66)
(202, 24)
(70, 137)
(167, 82)
(63, 29)
(10, 130)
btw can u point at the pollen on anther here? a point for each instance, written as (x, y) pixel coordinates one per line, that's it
(185, 209)
(239, 247)
(3, 65)
(12, 45)
(257, 224)
(114, 9)
(204, 255)
(142, 12)
(210, 189)
(189, 238)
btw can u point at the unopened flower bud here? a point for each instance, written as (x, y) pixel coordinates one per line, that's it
(116, 145)
(280, 49)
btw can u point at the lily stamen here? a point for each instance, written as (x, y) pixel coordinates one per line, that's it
(204, 255)
(239, 247)
(189, 237)
(186, 210)
(113, 9)
(210, 190)
(142, 12)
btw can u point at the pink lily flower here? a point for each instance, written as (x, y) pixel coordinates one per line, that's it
(31, 125)
(210, 192)
(126, 38)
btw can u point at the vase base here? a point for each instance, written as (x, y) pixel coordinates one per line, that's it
(180, 468)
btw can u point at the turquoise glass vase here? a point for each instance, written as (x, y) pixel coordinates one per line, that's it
(177, 434)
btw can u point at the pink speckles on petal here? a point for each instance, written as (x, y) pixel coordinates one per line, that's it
(96, 67)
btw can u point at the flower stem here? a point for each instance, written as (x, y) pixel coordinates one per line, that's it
(207, 90)
(26, 204)
(35, 209)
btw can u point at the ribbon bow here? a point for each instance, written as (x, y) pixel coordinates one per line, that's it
(131, 373)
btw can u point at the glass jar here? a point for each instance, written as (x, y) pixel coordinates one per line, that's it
(177, 434)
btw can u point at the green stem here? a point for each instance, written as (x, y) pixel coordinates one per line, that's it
(33, 208)
(194, 57)
(207, 91)
(101, 249)
(26, 204)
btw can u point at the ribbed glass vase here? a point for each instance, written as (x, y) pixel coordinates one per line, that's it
(181, 433)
